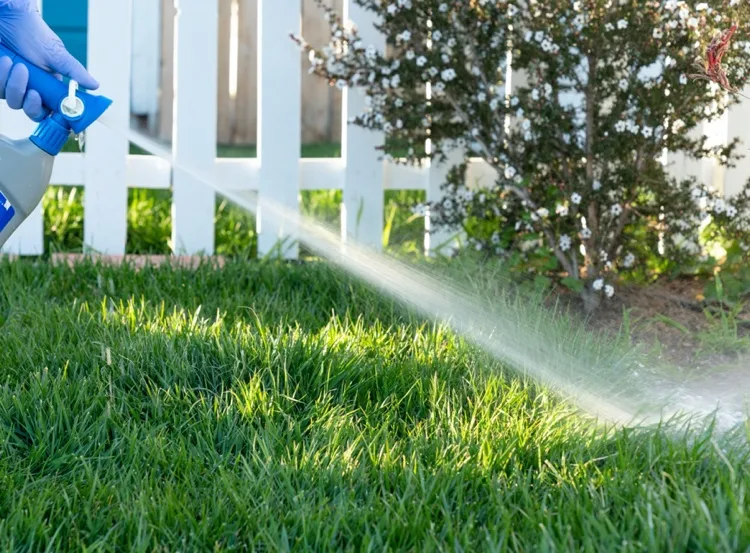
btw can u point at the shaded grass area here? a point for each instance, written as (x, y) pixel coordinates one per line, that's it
(275, 407)
(150, 217)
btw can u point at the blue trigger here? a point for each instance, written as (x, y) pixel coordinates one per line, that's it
(53, 93)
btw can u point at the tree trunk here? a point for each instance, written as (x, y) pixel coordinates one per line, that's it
(591, 300)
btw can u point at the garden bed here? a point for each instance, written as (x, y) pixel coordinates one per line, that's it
(672, 319)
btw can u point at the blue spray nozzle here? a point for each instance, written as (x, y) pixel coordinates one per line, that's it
(67, 114)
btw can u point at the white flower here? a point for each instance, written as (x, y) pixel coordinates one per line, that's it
(609, 291)
(586, 233)
(622, 24)
(448, 75)
(597, 185)
(543, 212)
(719, 206)
(436, 36)
(421, 61)
(658, 33)
(598, 284)
(443, 7)
(623, 84)
(561, 210)
(616, 210)
(565, 242)
(683, 79)
(628, 261)
(535, 94)
(576, 198)
(731, 211)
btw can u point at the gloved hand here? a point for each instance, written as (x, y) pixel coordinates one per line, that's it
(23, 30)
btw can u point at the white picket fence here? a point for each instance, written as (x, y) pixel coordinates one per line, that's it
(106, 170)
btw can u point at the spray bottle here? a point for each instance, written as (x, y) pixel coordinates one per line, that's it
(26, 165)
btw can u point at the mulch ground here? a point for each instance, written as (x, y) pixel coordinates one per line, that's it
(670, 314)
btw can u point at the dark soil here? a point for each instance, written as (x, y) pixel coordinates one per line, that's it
(670, 318)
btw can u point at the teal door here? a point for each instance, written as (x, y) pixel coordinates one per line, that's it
(69, 19)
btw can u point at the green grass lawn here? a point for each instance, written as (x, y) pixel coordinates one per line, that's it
(273, 407)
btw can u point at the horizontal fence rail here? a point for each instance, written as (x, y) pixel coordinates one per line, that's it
(106, 170)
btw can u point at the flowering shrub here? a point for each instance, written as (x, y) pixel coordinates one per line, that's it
(606, 87)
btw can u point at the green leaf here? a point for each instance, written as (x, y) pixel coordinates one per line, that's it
(542, 283)
(551, 263)
(574, 284)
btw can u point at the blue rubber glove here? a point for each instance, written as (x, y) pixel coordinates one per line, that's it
(23, 30)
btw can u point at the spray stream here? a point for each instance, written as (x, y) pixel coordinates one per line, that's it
(615, 394)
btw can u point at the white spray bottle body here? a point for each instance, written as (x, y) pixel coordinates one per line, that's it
(25, 172)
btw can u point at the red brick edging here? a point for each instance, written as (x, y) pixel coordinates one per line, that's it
(136, 261)
(139, 261)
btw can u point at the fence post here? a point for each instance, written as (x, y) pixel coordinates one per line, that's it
(146, 63)
(194, 125)
(279, 123)
(105, 161)
(737, 117)
(363, 206)
(437, 239)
